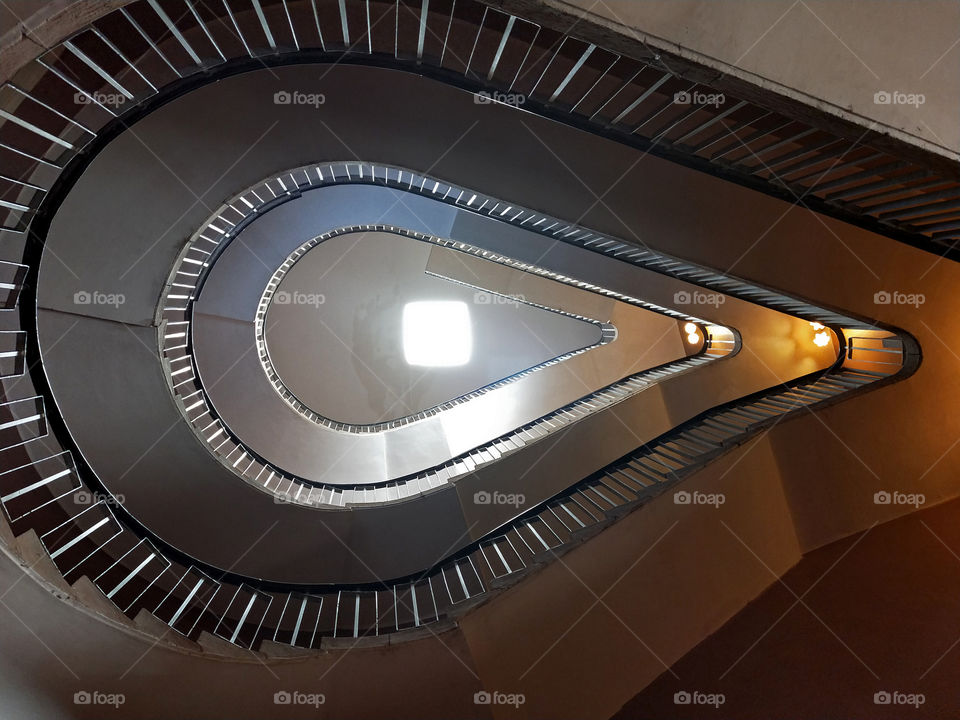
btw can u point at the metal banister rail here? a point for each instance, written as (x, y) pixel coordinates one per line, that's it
(56, 104)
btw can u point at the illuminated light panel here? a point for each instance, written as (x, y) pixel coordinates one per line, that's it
(437, 333)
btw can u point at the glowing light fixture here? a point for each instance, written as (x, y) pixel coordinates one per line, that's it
(821, 339)
(817, 326)
(690, 328)
(437, 333)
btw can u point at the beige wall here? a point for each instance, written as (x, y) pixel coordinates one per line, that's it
(668, 575)
(880, 611)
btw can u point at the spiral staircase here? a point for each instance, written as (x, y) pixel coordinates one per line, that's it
(237, 518)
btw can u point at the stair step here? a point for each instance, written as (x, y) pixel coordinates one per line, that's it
(150, 624)
(349, 642)
(275, 650)
(90, 595)
(35, 556)
(6, 533)
(218, 646)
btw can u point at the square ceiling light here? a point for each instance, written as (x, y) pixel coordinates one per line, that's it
(437, 333)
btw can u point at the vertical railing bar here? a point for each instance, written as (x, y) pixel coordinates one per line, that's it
(282, 615)
(237, 28)
(643, 96)
(336, 613)
(343, 23)
(547, 66)
(205, 608)
(150, 42)
(150, 585)
(76, 87)
(206, 30)
(51, 109)
(573, 71)
(416, 609)
(525, 56)
(476, 40)
(97, 69)
(369, 31)
(183, 605)
(446, 37)
(356, 616)
(263, 22)
(246, 612)
(423, 28)
(34, 129)
(463, 583)
(296, 627)
(316, 625)
(118, 560)
(226, 610)
(501, 46)
(174, 30)
(596, 82)
(106, 41)
(31, 157)
(131, 576)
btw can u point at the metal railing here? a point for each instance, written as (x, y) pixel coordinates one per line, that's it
(58, 103)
